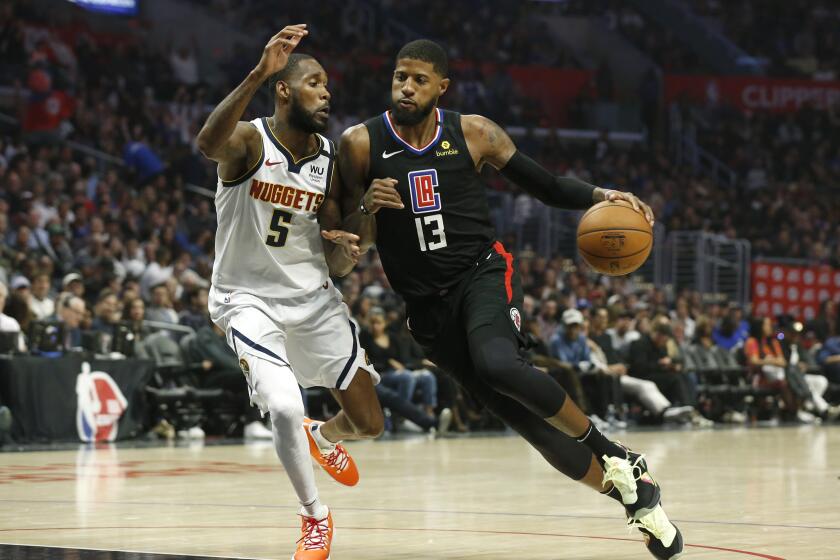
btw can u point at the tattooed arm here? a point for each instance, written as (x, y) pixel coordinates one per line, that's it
(488, 143)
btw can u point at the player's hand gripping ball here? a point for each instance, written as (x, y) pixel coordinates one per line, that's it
(615, 237)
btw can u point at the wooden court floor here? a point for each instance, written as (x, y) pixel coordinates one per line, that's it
(736, 494)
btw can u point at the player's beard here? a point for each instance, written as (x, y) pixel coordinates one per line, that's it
(405, 117)
(302, 119)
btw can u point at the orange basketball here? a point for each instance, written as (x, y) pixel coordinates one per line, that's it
(613, 238)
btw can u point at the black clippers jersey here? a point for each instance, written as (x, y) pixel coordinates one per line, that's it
(427, 246)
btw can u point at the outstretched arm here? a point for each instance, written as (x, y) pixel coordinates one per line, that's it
(488, 143)
(236, 145)
(358, 204)
(341, 248)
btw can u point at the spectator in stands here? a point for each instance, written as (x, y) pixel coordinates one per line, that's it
(766, 360)
(72, 283)
(623, 334)
(159, 271)
(681, 316)
(569, 345)
(828, 358)
(606, 358)
(8, 324)
(136, 311)
(161, 309)
(547, 320)
(385, 353)
(71, 312)
(41, 304)
(184, 65)
(649, 360)
(827, 322)
(107, 313)
(196, 315)
(733, 329)
(805, 369)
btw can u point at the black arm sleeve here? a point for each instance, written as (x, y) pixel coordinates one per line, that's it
(560, 192)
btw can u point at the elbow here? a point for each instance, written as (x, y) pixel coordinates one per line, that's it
(204, 145)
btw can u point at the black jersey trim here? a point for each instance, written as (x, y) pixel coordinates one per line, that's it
(352, 358)
(248, 174)
(416, 151)
(295, 165)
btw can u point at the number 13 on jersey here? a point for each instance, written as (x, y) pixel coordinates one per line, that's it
(424, 200)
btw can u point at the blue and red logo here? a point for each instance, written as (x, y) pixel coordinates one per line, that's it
(424, 198)
(100, 404)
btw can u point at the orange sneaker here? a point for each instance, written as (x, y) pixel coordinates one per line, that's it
(338, 463)
(315, 539)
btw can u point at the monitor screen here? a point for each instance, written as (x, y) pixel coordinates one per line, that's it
(120, 7)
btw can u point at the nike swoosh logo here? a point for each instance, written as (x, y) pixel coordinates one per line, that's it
(386, 155)
(269, 163)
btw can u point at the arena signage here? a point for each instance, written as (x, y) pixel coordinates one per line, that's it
(779, 289)
(754, 93)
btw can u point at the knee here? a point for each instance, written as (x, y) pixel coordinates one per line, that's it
(496, 367)
(285, 410)
(370, 425)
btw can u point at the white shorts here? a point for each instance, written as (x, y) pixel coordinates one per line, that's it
(313, 334)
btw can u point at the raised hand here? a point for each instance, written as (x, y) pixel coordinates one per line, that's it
(276, 53)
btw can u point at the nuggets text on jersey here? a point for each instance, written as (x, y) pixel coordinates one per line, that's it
(286, 195)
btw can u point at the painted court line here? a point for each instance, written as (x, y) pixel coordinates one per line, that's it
(436, 511)
(400, 529)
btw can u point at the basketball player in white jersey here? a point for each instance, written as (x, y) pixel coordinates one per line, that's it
(276, 244)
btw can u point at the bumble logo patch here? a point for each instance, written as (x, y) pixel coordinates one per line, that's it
(446, 149)
(243, 363)
(367, 359)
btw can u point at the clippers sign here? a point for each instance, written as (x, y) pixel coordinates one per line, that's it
(424, 198)
(100, 404)
(754, 93)
(119, 7)
(796, 290)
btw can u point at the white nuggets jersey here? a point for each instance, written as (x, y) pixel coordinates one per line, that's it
(268, 241)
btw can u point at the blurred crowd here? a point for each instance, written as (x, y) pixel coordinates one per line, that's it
(763, 29)
(107, 247)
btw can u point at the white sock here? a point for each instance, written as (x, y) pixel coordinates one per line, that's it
(315, 509)
(325, 445)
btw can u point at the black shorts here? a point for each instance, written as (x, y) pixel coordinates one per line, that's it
(489, 295)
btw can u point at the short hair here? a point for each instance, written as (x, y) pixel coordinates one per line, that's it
(427, 51)
(289, 71)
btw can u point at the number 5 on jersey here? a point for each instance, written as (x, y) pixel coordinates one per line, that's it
(424, 200)
(278, 233)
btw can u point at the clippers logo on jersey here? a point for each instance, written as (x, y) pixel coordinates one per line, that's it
(516, 318)
(424, 198)
(100, 404)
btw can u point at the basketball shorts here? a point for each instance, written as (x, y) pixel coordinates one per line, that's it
(490, 295)
(313, 335)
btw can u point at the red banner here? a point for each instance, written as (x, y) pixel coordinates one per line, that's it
(796, 290)
(753, 93)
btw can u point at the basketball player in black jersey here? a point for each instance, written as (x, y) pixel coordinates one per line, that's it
(427, 213)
